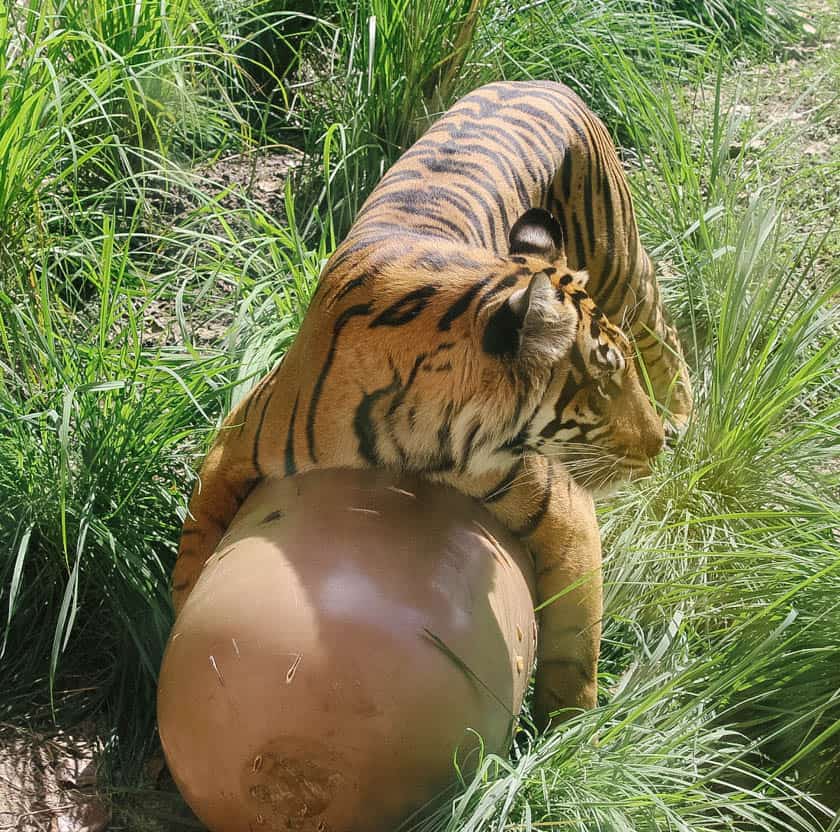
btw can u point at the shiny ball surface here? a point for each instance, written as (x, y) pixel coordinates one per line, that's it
(353, 631)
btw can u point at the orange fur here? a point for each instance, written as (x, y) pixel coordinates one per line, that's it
(468, 350)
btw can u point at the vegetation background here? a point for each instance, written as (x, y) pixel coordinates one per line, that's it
(172, 178)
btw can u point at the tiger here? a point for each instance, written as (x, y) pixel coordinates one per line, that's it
(464, 331)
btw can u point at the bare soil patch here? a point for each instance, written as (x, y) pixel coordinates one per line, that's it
(49, 781)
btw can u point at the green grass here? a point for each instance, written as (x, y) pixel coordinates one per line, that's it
(761, 26)
(119, 252)
(96, 441)
(374, 91)
(101, 104)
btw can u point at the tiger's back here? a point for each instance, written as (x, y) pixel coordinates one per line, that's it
(502, 149)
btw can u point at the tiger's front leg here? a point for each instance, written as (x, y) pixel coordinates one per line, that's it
(540, 503)
(567, 553)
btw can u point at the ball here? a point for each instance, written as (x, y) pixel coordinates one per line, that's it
(354, 635)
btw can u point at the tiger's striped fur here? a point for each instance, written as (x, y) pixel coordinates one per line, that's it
(511, 146)
(451, 335)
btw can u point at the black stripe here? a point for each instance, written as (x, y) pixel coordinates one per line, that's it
(255, 452)
(505, 136)
(438, 261)
(516, 443)
(342, 321)
(609, 234)
(505, 283)
(255, 394)
(556, 138)
(363, 423)
(468, 446)
(444, 460)
(504, 163)
(522, 191)
(290, 467)
(349, 287)
(489, 215)
(633, 276)
(382, 231)
(555, 424)
(406, 309)
(558, 211)
(589, 215)
(466, 149)
(400, 175)
(531, 144)
(582, 668)
(566, 175)
(437, 195)
(435, 230)
(630, 281)
(348, 251)
(400, 397)
(546, 121)
(461, 305)
(580, 252)
(434, 160)
(530, 525)
(403, 202)
(414, 200)
(615, 275)
(517, 411)
(487, 107)
(576, 359)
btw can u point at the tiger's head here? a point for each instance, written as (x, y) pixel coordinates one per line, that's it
(592, 412)
(467, 358)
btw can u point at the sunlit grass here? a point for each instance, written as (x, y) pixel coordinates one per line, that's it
(98, 100)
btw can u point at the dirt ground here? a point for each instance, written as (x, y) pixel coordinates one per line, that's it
(53, 782)
(48, 782)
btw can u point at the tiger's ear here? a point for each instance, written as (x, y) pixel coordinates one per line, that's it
(531, 322)
(526, 304)
(536, 232)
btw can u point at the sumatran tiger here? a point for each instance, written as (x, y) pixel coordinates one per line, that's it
(454, 333)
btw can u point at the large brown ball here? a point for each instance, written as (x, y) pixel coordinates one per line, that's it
(352, 633)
